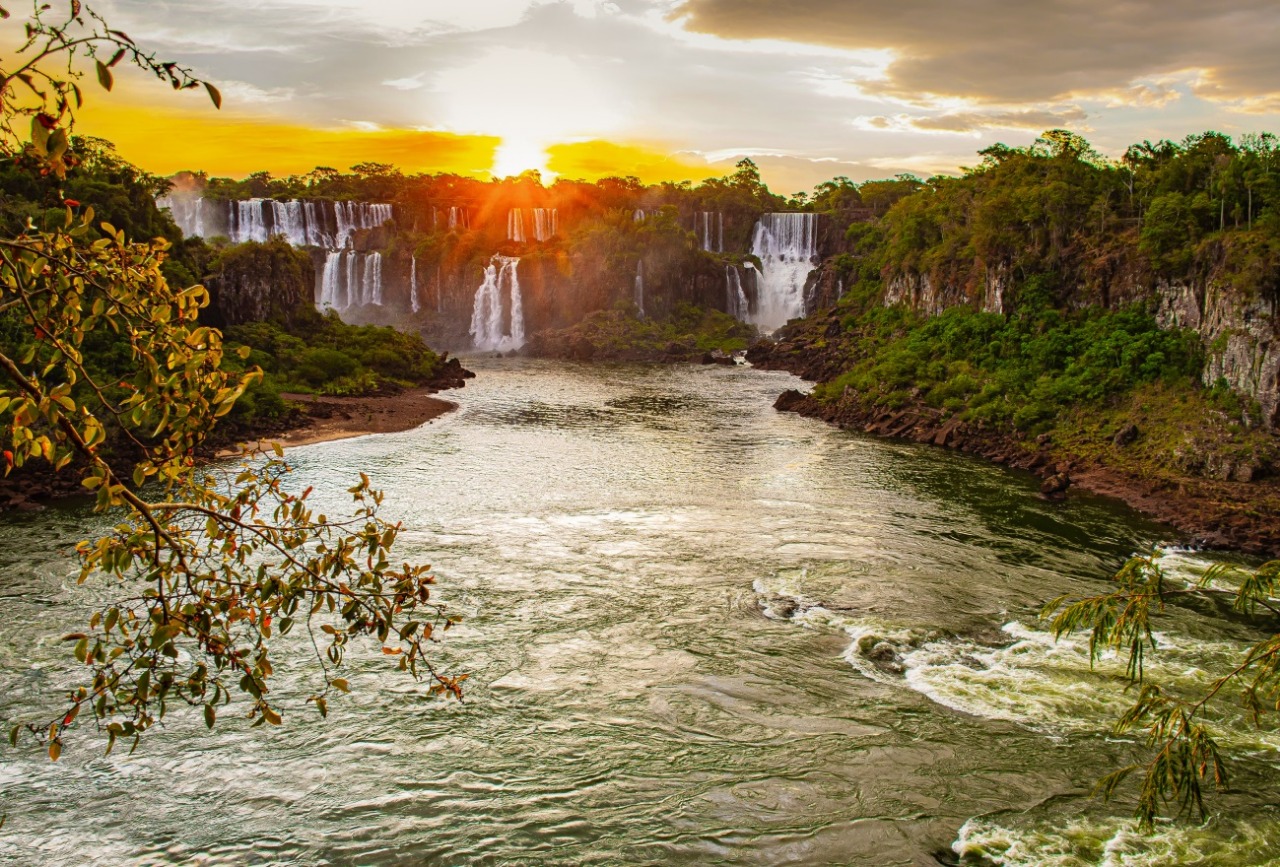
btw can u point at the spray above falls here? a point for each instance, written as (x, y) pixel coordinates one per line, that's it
(497, 316)
(787, 247)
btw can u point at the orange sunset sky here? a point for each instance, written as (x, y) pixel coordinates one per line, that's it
(676, 89)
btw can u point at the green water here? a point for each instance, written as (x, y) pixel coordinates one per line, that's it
(698, 631)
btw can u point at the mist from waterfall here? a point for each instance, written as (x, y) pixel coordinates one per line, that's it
(787, 247)
(497, 326)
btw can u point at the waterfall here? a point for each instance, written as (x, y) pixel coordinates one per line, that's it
(350, 297)
(331, 281)
(640, 287)
(487, 315)
(328, 225)
(639, 215)
(458, 218)
(736, 304)
(786, 245)
(187, 213)
(709, 227)
(546, 224)
(372, 279)
(247, 221)
(414, 304)
(515, 225)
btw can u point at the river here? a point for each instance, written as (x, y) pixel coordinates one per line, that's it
(698, 631)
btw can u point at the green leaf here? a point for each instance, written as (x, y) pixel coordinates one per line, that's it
(105, 78)
(209, 715)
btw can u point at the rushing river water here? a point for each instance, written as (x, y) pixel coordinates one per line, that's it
(698, 630)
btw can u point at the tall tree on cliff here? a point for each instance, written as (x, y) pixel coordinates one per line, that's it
(207, 566)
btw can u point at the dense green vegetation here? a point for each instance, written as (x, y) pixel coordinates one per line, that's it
(1020, 371)
(1164, 210)
(324, 355)
(689, 333)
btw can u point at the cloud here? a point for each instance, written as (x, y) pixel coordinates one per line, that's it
(997, 51)
(1034, 120)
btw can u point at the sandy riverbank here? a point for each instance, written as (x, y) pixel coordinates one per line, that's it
(337, 418)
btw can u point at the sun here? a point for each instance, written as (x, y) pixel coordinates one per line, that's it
(516, 155)
(530, 99)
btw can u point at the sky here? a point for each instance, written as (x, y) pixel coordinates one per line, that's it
(679, 89)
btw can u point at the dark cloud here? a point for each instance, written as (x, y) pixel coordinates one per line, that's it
(998, 51)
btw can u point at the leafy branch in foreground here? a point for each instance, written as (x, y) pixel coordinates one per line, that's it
(1186, 754)
(44, 65)
(204, 567)
(208, 567)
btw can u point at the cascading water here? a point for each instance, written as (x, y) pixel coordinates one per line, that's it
(787, 247)
(372, 279)
(458, 218)
(187, 213)
(640, 288)
(250, 223)
(414, 304)
(709, 226)
(489, 316)
(515, 226)
(736, 304)
(329, 225)
(331, 282)
(546, 223)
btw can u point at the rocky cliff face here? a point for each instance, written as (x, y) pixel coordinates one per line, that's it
(269, 282)
(1240, 331)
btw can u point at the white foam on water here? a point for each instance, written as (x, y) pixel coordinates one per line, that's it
(1118, 843)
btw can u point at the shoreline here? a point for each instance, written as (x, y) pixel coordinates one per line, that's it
(1210, 514)
(329, 419)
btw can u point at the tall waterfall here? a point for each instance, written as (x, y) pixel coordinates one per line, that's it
(458, 218)
(787, 247)
(414, 304)
(709, 226)
(495, 326)
(351, 279)
(546, 223)
(735, 302)
(640, 288)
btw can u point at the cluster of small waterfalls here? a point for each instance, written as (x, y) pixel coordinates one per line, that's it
(767, 290)
(351, 279)
(329, 225)
(709, 227)
(544, 223)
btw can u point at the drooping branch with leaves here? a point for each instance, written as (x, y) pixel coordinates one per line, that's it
(1185, 756)
(205, 566)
